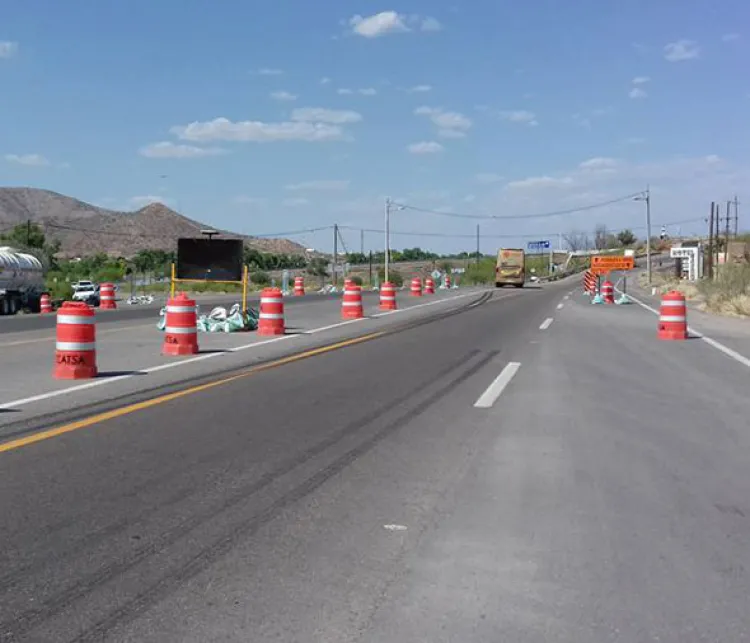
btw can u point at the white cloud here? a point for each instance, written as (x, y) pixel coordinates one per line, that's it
(488, 178)
(8, 49)
(449, 124)
(266, 71)
(637, 92)
(729, 37)
(378, 24)
(431, 24)
(322, 115)
(284, 96)
(36, 160)
(681, 50)
(425, 147)
(536, 182)
(420, 88)
(329, 185)
(640, 80)
(325, 80)
(293, 203)
(222, 129)
(166, 149)
(344, 91)
(368, 91)
(599, 164)
(520, 116)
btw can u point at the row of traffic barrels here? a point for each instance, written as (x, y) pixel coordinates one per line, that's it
(107, 299)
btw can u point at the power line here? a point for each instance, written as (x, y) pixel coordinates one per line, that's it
(539, 215)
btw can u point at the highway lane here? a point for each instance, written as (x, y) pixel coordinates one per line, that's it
(359, 495)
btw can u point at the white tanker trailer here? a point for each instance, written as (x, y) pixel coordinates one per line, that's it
(21, 281)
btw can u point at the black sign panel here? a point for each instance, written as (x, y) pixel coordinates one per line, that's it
(210, 259)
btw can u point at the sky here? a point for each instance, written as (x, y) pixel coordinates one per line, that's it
(300, 115)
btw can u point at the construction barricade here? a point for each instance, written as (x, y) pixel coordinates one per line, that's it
(388, 296)
(429, 286)
(416, 287)
(181, 326)
(673, 316)
(299, 286)
(351, 304)
(45, 304)
(608, 292)
(271, 316)
(107, 296)
(75, 348)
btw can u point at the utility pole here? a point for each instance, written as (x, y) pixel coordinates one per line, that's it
(362, 241)
(717, 231)
(335, 254)
(711, 242)
(28, 233)
(736, 216)
(646, 196)
(387, 235)
(477, 261)
(726, 234)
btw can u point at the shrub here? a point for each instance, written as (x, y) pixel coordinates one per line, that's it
(260, 278)
(394, 276)
(356, 280)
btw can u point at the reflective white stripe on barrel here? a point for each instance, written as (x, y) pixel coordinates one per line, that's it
(76, 346)
(180, 309)
(177, 330)
(351, 292)
(271, 316)
(107, 297)
(271, 300)
(387, 298)
(672, 318)
(673, 304)
(351, 303)
(76, 319)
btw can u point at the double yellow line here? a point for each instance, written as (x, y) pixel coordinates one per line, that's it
(12, 445)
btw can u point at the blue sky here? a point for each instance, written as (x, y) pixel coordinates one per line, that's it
(305, 114)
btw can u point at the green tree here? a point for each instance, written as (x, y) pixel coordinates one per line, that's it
(626, 238)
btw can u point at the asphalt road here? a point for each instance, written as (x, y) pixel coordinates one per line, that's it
(359, 494)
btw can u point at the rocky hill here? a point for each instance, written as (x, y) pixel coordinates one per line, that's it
(85, 229)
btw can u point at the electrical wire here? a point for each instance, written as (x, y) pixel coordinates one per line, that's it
(540, 215)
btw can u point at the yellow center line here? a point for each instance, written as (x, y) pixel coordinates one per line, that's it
(140, 406)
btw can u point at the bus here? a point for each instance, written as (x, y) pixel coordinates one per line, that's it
(511, 268)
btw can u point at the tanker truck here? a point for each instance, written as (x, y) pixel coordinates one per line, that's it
(21, 281)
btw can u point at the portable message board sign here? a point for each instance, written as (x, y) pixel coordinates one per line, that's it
(603, 264)
(209, 259)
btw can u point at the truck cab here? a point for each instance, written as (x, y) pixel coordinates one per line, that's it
(511, 268)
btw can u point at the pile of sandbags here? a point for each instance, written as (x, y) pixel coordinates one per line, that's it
(219, 320)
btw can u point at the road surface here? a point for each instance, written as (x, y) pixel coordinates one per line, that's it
(531, 468)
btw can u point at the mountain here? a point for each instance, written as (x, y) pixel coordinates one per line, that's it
(85, 229)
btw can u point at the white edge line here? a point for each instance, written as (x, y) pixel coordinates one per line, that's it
(198, 358)
(560, 305)
(494, 390)
(711, 342)
(546, 323)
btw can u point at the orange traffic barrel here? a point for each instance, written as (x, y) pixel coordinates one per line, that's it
(673, 316)
(107, 296)
(388, 296)
(299, 286)
(429, 286)
(608, 292)
(181, 326)
(416, 287)
(351, 305)
(45, 304)
(447, 280)
(271, 315)
(75, 349)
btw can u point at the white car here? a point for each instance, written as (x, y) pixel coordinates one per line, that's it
(83, 290)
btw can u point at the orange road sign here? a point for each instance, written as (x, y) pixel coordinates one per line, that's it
(609, 263)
